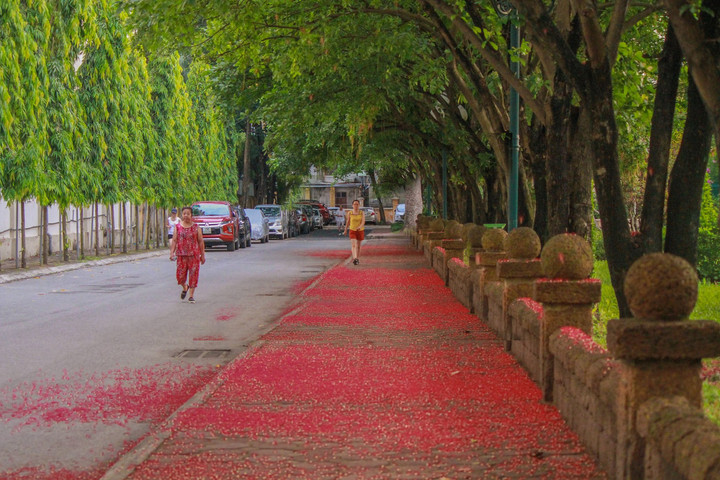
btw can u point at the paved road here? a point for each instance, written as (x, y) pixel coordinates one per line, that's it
(89, 358)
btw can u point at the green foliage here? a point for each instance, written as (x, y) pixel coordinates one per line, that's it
(708, 264)
(598, 246)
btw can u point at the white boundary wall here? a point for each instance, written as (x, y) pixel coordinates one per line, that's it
(10, 238)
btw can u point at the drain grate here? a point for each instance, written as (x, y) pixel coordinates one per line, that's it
(196, 354)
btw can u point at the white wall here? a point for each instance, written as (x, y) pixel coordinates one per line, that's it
(10, 224)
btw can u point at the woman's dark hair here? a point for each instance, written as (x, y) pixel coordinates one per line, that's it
(356, 200)
(186, 208)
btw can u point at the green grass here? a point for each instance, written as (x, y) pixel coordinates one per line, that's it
(706, 308)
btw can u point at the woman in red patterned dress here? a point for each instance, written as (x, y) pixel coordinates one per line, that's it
(188, 246)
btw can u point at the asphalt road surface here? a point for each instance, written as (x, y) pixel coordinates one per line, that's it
(88, 357)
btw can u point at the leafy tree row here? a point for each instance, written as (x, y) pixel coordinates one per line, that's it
(87, 117)
(396, 85)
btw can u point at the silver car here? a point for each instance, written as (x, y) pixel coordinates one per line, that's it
(260, 227)
(277, 220)
(317, 218)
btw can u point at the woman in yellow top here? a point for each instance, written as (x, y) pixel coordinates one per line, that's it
(355, 222)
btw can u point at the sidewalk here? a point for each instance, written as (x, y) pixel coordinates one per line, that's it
(378, 373)
(8, 272)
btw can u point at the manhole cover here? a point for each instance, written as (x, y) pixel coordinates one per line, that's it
(214, 354)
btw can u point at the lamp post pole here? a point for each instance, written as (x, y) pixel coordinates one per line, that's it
(505, 9)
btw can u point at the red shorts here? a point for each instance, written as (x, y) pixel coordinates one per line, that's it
(358, 235)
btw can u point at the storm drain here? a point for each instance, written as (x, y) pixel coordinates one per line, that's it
(198, 354)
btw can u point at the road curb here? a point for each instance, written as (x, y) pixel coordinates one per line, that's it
(42, 272)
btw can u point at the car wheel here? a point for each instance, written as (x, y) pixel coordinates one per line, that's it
(243, 244)
(230, 246)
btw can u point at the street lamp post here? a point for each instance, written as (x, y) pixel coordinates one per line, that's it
(505, 9)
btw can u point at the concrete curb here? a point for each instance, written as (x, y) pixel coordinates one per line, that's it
(41, 272)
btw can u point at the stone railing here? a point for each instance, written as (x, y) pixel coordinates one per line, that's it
(637, 405)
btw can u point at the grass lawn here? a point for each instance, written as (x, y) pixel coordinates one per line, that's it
(707, 308)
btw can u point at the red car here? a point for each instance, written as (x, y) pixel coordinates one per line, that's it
(327, 218)
(219, 224)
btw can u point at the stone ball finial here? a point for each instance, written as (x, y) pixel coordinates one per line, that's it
(437, 225)
(475, 236)
(466, 232)
(493, 239)
(423, 221)
(454, 229)
(661, 286)
(522, 243)
(567, 256)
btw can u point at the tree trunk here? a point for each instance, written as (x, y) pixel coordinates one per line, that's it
(581, 214)
(65, 241)
(373, 182)
(158, 227)
(653, 209)
(44, 235)
(82, 232)
(538, 166)
(686, 180)
(558, 157)
(146, 223)
(124, 230)
(137, 227)
(23, 256)
(246, 165)
(606, 172)
(111, 228)
(97, 229)
(413, 201)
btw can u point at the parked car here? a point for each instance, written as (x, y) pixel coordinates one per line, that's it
(399, 213)
(218, 223)
(277, 220)
(244, 227)
(334, 213)
(260, 228)
(369, 215)
(321, 206)
(303, 220)
(317, 218)
(293, 222)
(306, 220)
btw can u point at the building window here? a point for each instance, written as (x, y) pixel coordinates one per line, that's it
(341, 199)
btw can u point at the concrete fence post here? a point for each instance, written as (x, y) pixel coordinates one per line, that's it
(659, 351)
(566, 294)
(486, 263)
(518, 273)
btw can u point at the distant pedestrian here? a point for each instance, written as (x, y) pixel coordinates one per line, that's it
(188, 247)
(356, 224)
(172, 221)
(340, 219)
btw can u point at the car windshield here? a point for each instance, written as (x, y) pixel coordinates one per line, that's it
(209, 210)
(401, 207)
(270, 211)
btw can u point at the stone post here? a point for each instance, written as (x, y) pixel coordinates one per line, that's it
(659, 352)
(486, 262)
(459, 274)
(566, 294)
(517, 274)
(422, 225)
(451, 246)
(430, 238)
